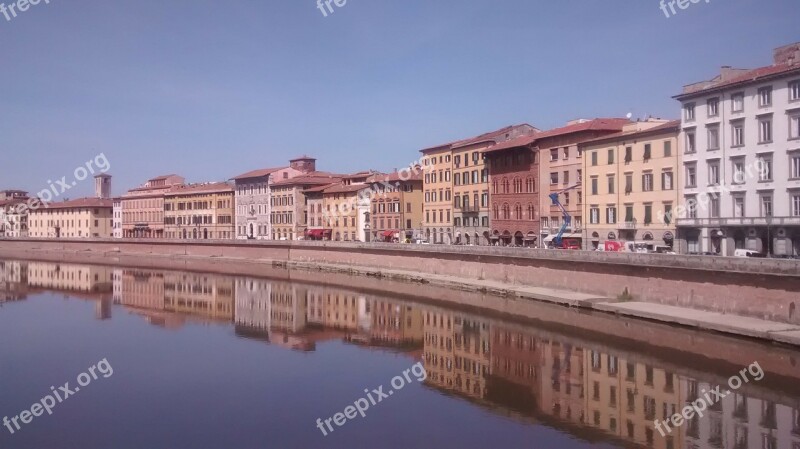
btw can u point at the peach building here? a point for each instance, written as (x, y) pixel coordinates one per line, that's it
(143, 208)
(203, 295)
(561, 167)
(81, 218)
(631, 185)
(199, 211)
(437, 163)
(346, 208)
(289, 204)
(397, 205)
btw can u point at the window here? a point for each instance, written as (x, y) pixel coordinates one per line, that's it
(611, 183)
(713, 107)
(765, 168)
(647, 182)
(667, 213)
(796, 205)
(738, 171)
(713, 137)
(737, 133)
(688, 112)
(629, 213)
(666, 180)
(610, 157)
(794, 91)
(628, 183)
(648, 214)
(594, 215)
(691, 175)
(594, 185)
(554, 155)
(765, 97)
(628, 155)
(565, 179)
(594, 158)
(794, 126)
(566, 153)
(647, 151)
(691, 206)
(554, 178)
(690, 142)
(738, 207)
(713, 173)
(737, 102)
(794, 164)
(714, 206)
(611, 215)
(765, 130)
(667, 148)
(766, 205)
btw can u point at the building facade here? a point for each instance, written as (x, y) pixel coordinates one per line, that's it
(438, 194)
(289, 216)
(117, 218)
(514, 200)
(253, 197)
(741, 160)
(396, 206)
(81, 218)
(632, 191)
(561, 168)
(143, 208)
(346, 208)
(199, 212)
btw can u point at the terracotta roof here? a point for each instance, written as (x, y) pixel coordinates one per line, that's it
(598, 124)
(194, 189)
(80, 203)
(341, 188)
(673, 125)
(485, 137)
(312, 178)
(320, 189)
(258, 173)
(751, 76)
(408, 175)
(513, 143)
(162, 177)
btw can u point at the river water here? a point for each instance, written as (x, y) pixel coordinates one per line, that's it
(167, 359)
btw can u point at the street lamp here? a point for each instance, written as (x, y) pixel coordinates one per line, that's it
(769, 234)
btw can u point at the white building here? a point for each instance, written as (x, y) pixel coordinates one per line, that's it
(253, 197)
(117, 218)
(741, 160)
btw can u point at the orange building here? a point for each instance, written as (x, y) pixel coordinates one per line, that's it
(143, 208)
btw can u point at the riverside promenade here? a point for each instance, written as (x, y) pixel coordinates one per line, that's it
(753, 298)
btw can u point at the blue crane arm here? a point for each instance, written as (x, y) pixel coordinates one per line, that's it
(554, 197)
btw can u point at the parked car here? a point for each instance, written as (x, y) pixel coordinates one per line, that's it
(748, 253)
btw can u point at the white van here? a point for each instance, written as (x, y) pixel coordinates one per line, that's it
(747, 253)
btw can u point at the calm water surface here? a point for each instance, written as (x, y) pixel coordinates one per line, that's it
(213, 361)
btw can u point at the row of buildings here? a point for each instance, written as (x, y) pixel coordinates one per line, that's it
(587, 390)
(725, 176)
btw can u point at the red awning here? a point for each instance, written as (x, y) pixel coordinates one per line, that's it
(317, 232)
(389, 233)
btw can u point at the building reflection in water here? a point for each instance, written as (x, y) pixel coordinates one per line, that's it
(515, 370)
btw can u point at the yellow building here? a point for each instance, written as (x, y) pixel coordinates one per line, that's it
(438, 197)
(346, 208)
(143, 207)
(631, 185)
(81, 218)
(289, 216)
(199, 211)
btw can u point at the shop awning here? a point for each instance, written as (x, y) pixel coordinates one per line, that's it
(318, 232)
(389, 233)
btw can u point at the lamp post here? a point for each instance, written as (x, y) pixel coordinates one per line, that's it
(769, 234)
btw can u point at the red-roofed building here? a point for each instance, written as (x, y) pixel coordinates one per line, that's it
(254, 197)
(396, 205)
(143, 208)
(740, 168)
(81, 218)
(289, 208)
(199, 211)
(561, 167)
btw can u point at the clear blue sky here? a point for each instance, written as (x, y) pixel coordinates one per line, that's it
(211, 89)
